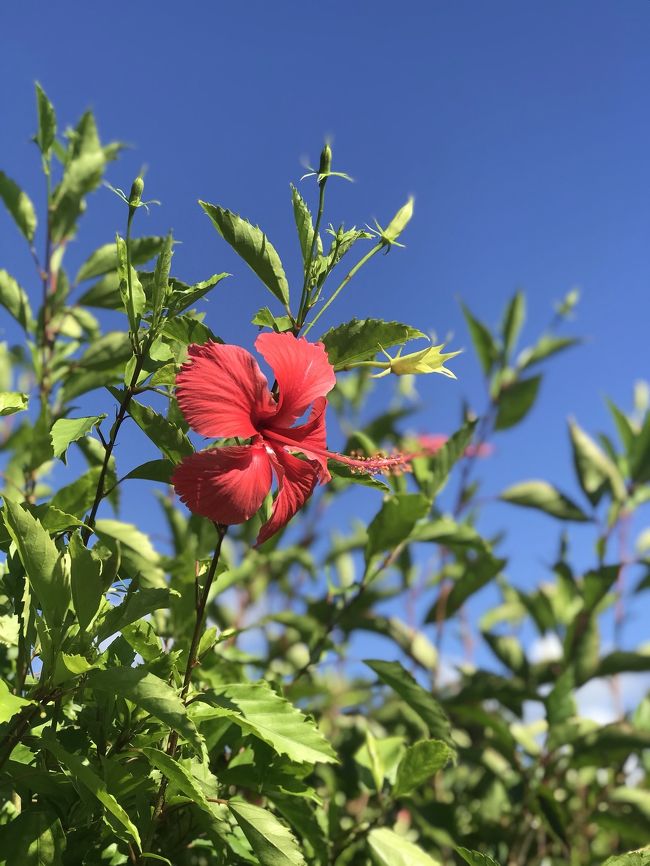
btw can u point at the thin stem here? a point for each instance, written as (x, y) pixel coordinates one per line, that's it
(100, 493)
(351, 273)
(134, 336)
(46, 278)
(201, 606)
(200, 612)
(140, 354)
(306, 288)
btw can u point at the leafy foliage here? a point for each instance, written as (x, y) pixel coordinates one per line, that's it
(202, 700)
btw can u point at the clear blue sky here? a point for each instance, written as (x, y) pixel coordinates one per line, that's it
(523, 130)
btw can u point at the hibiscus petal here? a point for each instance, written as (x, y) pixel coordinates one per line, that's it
(310, 437)
(296, 481)
(302, 370)
(227, 485)
(222, 391)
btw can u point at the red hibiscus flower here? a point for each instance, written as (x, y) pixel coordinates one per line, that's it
(223, 393)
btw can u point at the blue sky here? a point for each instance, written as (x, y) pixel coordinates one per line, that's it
(522, 129)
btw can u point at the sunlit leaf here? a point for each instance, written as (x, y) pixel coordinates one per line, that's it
(544, 497)
(273, 843)
(361, 339)
(19, 205)
(250, 242)
(420, 762)
(390, 849)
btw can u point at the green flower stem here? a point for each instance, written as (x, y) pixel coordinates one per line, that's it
(140, 352)
(306, 290)
(134, 337)
(100, 493)
(46, 276)
(351, 273)
(378, 365)
(192, 661)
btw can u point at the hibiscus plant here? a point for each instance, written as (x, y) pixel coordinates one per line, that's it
(211, 699)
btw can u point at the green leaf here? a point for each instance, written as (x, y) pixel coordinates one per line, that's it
(304, 224)
(83, 773)
(106, 352)
(596, 472)
(32, 838)
(544, 497)
(82, 174)
(134, 301)
(171, 440)
(433, 472)
(19, 205)
(41, 560)
(272, 842)
(77, 498)
(347, 474)
(46, 121)
(151, 694)
(513, 322)
(179, 777)
(136, 550)
(65, 431)
(12, 402)
(507, 649)
(67, 667)
(105, 293)
(394, 522)
(560, 701)
(546, 346)
(153, 470)
(420, 700)
(631, 858)
(420, 763)
(623, 426)
(451, 534)
(182, 296)
(621, 661)
(142, 636)
(186, 330)
(85, 581)
(361, 339)
(258, 710)
(161, 276)
(475, 858)
(390, 849)
(9, 630)
(10, 704)
(640, 456)
(14, 299)
(252, 245)
(105, 259)
(265, 319)
(515, 401)
(485, 346)
(134, 607)
(479, 573)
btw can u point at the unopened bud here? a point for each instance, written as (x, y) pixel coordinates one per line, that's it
(398, 223)
(430, 360)
(325, 161)
(137, 188)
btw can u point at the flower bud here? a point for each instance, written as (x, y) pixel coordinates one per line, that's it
(430, 360)
(325, 161)
(398, 223)
(137, 188)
